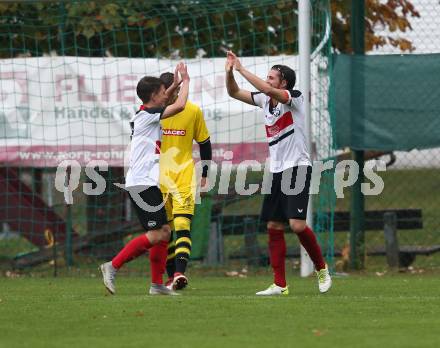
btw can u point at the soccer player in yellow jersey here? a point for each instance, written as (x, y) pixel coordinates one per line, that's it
(178, 184)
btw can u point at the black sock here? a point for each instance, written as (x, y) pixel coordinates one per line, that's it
(183, 250)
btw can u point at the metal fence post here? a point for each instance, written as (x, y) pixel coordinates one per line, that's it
(391, 241)
(357, 237)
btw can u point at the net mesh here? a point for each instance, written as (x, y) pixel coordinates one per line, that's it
(67, 81)
(411, 175)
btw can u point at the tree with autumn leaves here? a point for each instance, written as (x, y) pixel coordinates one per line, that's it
(170, 29)
(392, 16)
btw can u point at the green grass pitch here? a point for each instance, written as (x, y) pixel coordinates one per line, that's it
(400, 310)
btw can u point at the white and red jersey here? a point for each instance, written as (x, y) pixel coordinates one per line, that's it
(285, 130)
(146, 133)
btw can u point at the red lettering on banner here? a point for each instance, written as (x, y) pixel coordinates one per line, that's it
(123, 84)
(125, 88)
(21, 79)
(82, 90)
(105, 88)
(178, 132)
(283, 122)
(60, 87)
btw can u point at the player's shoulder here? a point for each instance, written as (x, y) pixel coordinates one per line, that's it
(192, 107)
(259, 98)
(151, 111)
(145, 112)
(295, 93)
(295, 98)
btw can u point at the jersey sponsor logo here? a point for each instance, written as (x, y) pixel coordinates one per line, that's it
(272, 130)
(282, 123)
(177, 132)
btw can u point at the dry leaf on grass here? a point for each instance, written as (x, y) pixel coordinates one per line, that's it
(319, 333)
(232, 274)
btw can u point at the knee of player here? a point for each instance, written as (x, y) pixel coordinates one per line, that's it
(182, 223)
(297, 226)
(165, 233)
(154, 236)
(275, 225)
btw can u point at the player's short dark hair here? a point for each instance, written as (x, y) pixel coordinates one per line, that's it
(147, 86)
(286, 74)
(167, 79)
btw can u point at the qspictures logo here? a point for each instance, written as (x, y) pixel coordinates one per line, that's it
(344, 174)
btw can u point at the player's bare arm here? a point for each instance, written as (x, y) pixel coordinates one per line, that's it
(180, 102)
(231, 85)
(280, 95)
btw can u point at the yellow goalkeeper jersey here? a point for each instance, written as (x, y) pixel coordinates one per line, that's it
(178, 133)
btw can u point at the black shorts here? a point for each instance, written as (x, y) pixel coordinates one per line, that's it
(153, 217)
(281, 205)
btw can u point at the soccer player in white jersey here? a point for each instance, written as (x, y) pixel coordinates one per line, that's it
(290, 166)
(142, 178)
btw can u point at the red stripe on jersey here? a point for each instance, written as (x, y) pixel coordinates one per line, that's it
(158, 144)
(283, 122)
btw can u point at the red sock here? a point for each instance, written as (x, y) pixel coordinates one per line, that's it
(133, 249)
(158, 260)
(309, 242)
(277, 250)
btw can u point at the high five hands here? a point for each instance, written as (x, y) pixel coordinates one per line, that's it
(183, 71)
(232, 62)
(180, 74)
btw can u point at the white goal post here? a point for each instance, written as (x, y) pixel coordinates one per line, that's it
(304, 39)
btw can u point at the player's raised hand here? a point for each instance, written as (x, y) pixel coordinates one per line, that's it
(237, 64)
(183, 70)
(177, 79)
(229, 65)
(231, 56)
